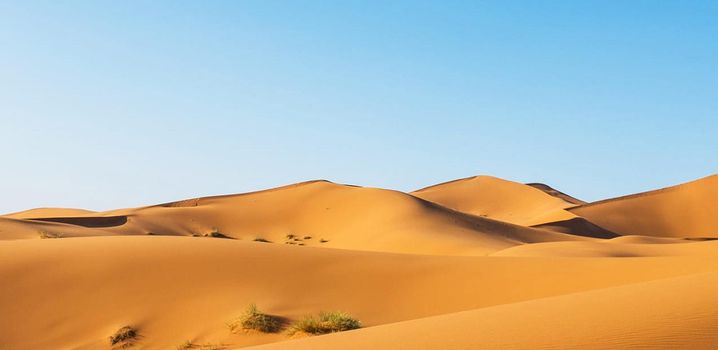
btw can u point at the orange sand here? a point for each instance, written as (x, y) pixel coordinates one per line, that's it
(477, 263)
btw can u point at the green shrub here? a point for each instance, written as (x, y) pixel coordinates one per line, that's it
(187, 345)
(46, 235)
(123, 336)
(253, 319)
(326, 322)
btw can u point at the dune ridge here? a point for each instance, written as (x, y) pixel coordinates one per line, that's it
(498, 199)
(685, 210)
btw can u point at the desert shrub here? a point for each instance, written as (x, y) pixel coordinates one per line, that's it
(307, 237)
(326, 322)
(260, 239)
(187, 345)
(123, 336)
(323, 240)
(217, 234)
(46, 235)
(253, 319)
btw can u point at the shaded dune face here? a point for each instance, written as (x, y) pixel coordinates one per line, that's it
(687, 210)
(97, 221)
(578, 226)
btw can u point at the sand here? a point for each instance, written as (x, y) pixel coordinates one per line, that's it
(474, 263)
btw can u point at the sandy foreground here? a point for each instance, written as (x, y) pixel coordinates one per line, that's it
(475, 263)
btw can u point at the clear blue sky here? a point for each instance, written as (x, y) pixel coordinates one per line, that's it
(126, 103)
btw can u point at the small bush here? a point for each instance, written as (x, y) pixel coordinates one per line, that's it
(260, 239)
(253, 319)
(47, 235)
(123, 336)
(217, 234)
(289, 236)
(326, 322)
(323, 240)
(307, 237)
(187, 345)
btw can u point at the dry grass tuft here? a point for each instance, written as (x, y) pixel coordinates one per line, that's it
(253, 319)
(47, 235)
(123, 337)
(187, 345)
(326, 322)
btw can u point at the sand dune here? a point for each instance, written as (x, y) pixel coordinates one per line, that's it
(664, 314)
(474, 263)
(499, 199)
(73, 293)
(336, 216)
(47, 212)
(687, 210)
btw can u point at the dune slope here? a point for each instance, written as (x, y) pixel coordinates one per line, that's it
(74, 292)
(664, 314)
(687, 210)
(500, 199)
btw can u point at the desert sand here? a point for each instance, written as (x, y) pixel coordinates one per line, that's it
(475, 263)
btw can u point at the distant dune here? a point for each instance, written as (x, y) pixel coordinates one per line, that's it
(47, 212)
(687, 210)
(499, 199)
(475, 263)
(347, 217)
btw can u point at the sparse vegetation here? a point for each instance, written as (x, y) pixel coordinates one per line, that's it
(260, 239)
(323, 240)
(187, 345)
(46, 235)
(326, 322)
(217, 234)
(253, 319)
(307, 237)
(289, 236)
(123, 337)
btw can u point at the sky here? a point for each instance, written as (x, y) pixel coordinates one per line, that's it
(127, 103)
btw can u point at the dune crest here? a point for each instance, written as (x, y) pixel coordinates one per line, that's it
(686, 210)
(499, 199)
